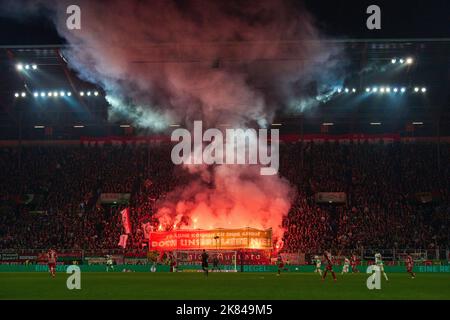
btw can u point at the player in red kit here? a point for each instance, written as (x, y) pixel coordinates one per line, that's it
(354, 263)
(409, 266)
(329, 266)
(51, 260)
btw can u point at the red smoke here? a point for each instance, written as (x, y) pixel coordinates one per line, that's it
(228, 196)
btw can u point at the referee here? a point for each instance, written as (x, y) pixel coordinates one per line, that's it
(205, 262)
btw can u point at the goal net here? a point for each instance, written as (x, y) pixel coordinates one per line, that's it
(218, 260)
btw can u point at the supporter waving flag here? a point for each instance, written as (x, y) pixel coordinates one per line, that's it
(147, 228)
(123, 241)
(126, 220)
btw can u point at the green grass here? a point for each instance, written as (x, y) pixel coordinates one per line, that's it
(218, 286)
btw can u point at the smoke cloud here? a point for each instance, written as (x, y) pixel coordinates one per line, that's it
(223, 62)
(228, 196)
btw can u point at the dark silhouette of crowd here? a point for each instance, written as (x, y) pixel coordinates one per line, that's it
(381, 182)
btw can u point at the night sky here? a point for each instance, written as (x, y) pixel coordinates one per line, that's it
(336, 18)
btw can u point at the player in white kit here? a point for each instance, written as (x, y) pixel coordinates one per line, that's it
(109, 263)
(318, 264)
(379, 263)
(346, 266)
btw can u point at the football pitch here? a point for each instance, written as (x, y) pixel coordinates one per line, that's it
(218, 286)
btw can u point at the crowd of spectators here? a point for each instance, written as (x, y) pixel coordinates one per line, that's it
(380, 181)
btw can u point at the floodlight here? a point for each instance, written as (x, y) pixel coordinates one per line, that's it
(402, 61)
(394, 61)
(403, 90)
(409, 60)
(27, 67)
(395, 89)
(16, 95)
(375, 89)
(19, 66)
(42, 94)
(49, 94)
(82, 93)
(23, 94)
(62, 93)
(367, 89)
(69, 93)
(88, 93)
(36, 94)
(416, 89)
(424, 90)
(34, 67)
(95, 93)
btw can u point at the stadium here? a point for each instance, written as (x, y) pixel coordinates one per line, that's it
(358, 132)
